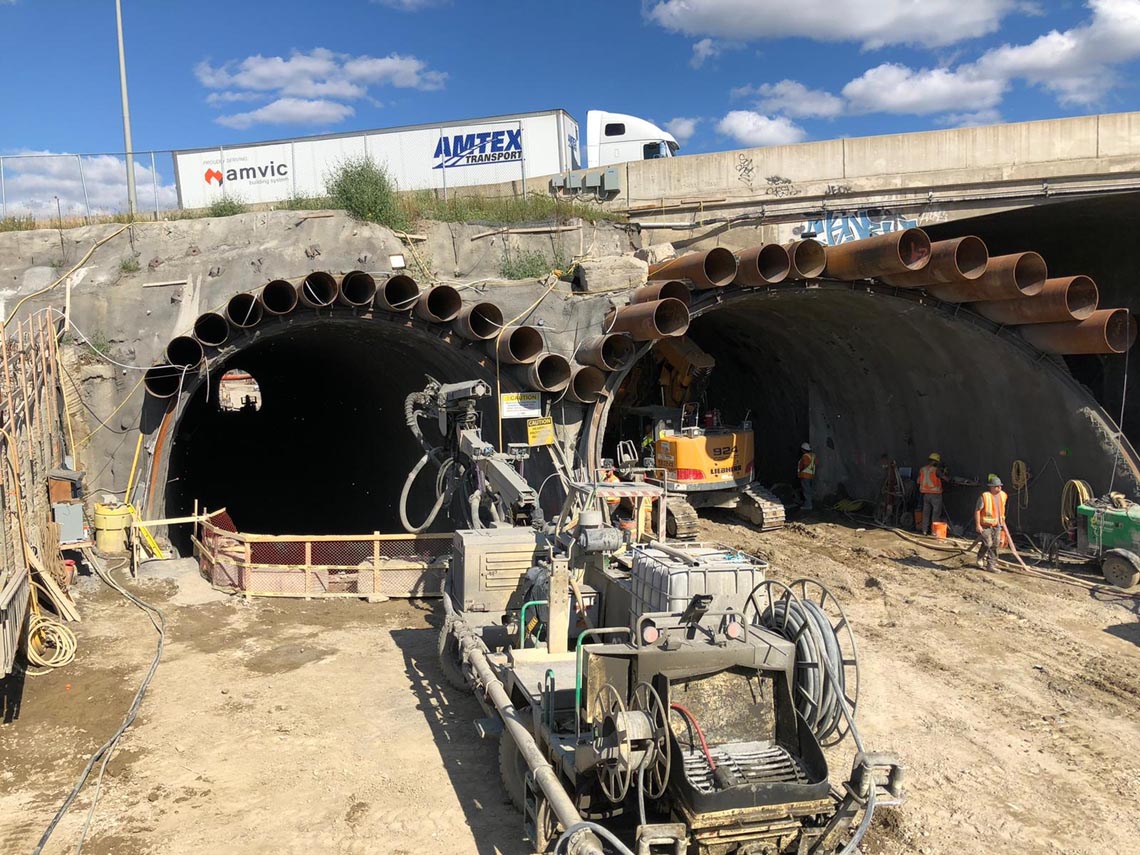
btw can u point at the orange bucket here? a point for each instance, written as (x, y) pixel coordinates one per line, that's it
(939, 530)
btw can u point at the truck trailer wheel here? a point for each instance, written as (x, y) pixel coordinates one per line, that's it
(1121, 568)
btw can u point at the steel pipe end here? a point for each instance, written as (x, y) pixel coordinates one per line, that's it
(517, 345)
(439, 304)
(610, 352)
(808, 259)
(1081, 296)
(478, 321)
(720, 266)
(586, 384)
(971, 256)
(318, 290)
(767, 264)
(649, 321)
(184, 352)
(163, 380)
(914, 249)
(357, 289)
(672, 288)
(398, 294)
(1029, 273)
(550, 372)
(279, 297)
(211, 329)
(244, 311)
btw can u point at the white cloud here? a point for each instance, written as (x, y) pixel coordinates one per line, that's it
(970, 120)
(290, 111)
(32, 180)
(892, 88)
(312, 85)
(873, 23)
(754, 129)
(792, 98)
(682, 128)
(1075, 64)
(703, 50)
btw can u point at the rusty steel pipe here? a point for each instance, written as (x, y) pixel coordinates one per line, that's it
(550, 372)
(243, 310)
(713, 268)
(762, 265)
(881, 255)
(961, 259)
(649, 321)
(184, 352)
(1105, 331)
(279, 297)
(357, 289)
(586, 384)
(1007, 277)
(672, 288)
(211, 329)
(163, 380)
(318, 290)
(517, 345)
(439, 304)
(808, 259)
(478, 321)
(1070, 298)
(399, 294)
(610, 352)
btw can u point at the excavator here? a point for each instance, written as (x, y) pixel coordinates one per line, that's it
(705, 463)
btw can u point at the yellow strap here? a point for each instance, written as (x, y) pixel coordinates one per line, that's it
(147, 539)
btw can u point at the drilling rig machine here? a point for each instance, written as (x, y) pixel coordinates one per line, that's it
(657, 698)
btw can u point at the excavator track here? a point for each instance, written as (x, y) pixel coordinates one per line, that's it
(681, 520)
(761, 507)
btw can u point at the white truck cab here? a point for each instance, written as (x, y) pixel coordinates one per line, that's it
(617, 138)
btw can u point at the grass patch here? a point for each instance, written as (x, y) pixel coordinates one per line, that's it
(226, 206)
(17, 224)
(528, 264)
(501, 210)
(365, 190)
(130, 264)
(298, 202)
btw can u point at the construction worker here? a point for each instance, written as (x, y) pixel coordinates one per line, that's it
(609, 477)
(989, 519)
(930, 488)
(806, 472)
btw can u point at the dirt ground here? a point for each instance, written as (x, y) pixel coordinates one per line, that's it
(285, 726)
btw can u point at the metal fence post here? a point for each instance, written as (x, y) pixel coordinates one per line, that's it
(83, 184)
(522, 162)
(154, 181)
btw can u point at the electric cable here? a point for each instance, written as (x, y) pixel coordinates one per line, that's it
(106, 750)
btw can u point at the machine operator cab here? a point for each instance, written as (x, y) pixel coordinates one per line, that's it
(617, 138)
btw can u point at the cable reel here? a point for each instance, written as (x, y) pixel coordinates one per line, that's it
(807, 614)
(631, 740)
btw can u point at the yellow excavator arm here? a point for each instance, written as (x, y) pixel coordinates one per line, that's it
(685, 369)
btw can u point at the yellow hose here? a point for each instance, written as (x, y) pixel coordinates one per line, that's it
(1073, 494)
(1019, 479)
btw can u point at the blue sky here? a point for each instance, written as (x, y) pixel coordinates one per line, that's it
(721, 74)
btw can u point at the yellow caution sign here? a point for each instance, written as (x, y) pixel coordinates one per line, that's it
(540, 431)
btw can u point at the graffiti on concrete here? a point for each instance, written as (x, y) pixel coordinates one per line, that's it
(744, 169)
(837, 189)
(781, 187)
(835, 227)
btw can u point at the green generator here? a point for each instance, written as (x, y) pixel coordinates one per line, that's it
(1112, 534)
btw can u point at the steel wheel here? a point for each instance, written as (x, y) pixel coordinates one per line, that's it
(612, 744)
(657, 766)
(1119, 570)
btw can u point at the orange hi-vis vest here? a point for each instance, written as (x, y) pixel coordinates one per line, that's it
(612, 479)
(929, 481)
(807, 465)
(990, 517)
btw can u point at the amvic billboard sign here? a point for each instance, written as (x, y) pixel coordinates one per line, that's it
(489, 152)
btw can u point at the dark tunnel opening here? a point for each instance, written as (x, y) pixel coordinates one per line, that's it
(861, 375)
(327, 450)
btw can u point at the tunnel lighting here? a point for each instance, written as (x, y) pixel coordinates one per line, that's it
(397, 261)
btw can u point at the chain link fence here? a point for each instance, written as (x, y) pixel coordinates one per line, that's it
(369, 565)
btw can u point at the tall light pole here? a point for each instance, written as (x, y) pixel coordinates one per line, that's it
(132, 200)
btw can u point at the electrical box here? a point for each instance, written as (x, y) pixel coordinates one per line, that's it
(69, 517)
(488, 566)
(593, 180)
(558, 181)
(574, 181)
(611, 181)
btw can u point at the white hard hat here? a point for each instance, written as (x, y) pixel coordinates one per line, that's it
(806, 447)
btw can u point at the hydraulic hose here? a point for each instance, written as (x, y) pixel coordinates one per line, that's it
(441, 498)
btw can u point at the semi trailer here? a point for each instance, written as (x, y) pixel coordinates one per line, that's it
(434, 156)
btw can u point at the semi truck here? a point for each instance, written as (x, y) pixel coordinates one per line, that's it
(436, 156)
